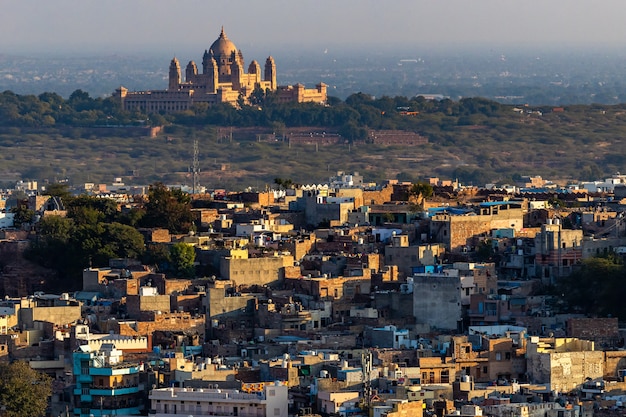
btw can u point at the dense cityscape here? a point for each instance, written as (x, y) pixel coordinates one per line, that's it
(417, 295)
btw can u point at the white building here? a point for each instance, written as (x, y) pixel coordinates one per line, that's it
(6, 220)
(271, 400)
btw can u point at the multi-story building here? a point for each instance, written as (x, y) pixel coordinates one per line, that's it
(268, 400)
(437, 299)
(557, 250)
(105, 383)
(406, 257)
(458, 232)
(564, 364)
(244, 270)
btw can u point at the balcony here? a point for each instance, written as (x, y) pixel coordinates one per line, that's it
(156, 413)
(119, 390)
(121, 369)
(127, 411)
(83, 378)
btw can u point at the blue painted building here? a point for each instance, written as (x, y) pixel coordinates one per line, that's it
(105, 384)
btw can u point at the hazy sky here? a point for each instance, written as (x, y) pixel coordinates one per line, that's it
(122, 25)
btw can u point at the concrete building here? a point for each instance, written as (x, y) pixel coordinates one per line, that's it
(544, 409)
(457, 232)
(148, 301)
(56, 309)
(437, 299)
(390, 337)
(563, 364)
(222, 80)
(243, 270)
(406, 257)
(557, 250)
(342, 403)
(271, 401)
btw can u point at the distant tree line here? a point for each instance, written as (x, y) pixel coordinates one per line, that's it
(349, 117)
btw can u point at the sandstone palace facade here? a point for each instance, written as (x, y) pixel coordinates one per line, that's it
(222, 80)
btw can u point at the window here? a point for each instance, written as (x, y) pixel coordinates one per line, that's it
(485, 369)
(277, 411)
(272, 393)
(498, 356)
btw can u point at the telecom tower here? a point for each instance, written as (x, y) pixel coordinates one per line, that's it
(195, 168)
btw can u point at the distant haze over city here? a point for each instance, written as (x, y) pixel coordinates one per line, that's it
(559, 52)
(159, 25)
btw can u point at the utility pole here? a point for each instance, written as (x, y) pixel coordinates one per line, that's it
(366, 366)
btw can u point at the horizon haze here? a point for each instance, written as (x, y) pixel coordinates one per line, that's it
(117, 26)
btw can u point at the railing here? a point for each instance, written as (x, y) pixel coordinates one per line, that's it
(486, 313)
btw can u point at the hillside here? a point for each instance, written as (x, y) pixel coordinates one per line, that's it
(474, 140)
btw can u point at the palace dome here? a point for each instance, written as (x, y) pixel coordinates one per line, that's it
(223, 47)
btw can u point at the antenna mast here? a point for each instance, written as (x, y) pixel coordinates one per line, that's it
(195, 169)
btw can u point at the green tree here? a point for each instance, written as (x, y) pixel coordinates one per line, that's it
(183, 257)
(421, 190)
(24, 392)
(83, 208)
(283, 183)
(58, 190)
(118, 241)
(22, 214)
(170, 209)
(157, 254)
(257, 97)
(418, 193)
(602, 276)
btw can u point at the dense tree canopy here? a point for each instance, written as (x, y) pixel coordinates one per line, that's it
(89, 235)
(24, 392)
(597, 289)
(167, 208)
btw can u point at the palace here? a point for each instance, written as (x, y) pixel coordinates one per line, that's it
(222, 80)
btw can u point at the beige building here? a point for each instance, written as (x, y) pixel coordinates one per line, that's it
(50, 309)
(563, 364)
(406, 257)
(458, 232)
(557, 250)
(271, 401)
(242, 270)
(222, 80)
(333, 402)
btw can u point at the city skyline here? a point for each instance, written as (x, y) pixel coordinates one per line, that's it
(115, 26)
